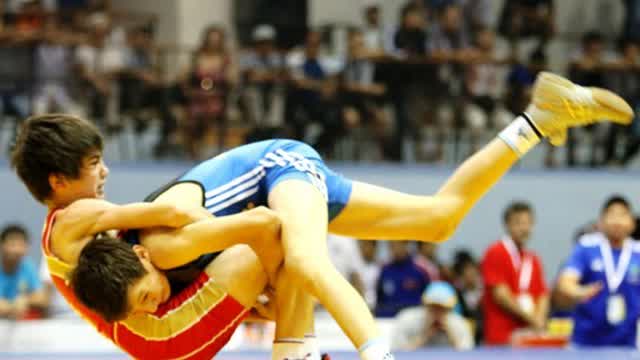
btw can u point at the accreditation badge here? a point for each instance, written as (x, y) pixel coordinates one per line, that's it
(526, 303)
(616, 309)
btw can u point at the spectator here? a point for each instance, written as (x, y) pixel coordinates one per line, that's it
(427, 259)
(588, 67)
(372, 31)
(262, 69)
(401, 282)
(515, 294)
(527, 18)
(208, 84)
(484, 79)
(362, 97)
(468, 284)
(54, 304)
(21, 294)
(98, 63)
(602, 280)
(313, 94)
(345, 256)
(433, 324)
(370, 272)
(53, 71)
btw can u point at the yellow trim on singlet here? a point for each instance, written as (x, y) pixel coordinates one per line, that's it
(180, 319)
(58, 267)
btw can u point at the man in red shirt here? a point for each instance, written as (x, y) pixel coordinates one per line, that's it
(515, 294)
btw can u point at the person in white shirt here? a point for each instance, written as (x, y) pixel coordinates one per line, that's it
(433, 324)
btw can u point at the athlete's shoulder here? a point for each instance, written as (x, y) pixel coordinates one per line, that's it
(591, 240)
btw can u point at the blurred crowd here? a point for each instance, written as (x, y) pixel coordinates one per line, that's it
(497, 299)
(441, 79)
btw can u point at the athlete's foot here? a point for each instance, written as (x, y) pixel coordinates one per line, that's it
(558, 104)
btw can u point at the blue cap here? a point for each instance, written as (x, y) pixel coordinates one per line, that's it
(440, 293)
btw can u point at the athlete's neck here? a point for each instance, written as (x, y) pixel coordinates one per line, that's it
(616, 243)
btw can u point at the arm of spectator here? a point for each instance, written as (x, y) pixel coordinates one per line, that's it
(572, 292)
(35, 296)
(568, 287)
(459, 333)
(542, 309)
(505, 299)
(5, 308)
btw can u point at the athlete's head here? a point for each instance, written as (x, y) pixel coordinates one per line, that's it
(115, 279)
(60, 156)
(518, 220)
(616, 219)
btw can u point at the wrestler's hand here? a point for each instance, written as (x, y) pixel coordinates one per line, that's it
(266, 305)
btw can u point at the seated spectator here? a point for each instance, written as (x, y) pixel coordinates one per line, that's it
(208, 84)
(468, 284)
(53, 71)
(361, 96)
(515, 294)
(527, 18)
(602, 280)
(21, 294)
(312, 97)
(98, 62)
(433, 324)
(483, 85)
(370, 272)
(262, 69)
(401, 281)
(372, 31)
(54, 305)
(345, 256)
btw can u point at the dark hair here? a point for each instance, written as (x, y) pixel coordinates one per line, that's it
(52, 144)
(516, 207)
(614, 200)
(107, 267)
(461, 260)
(592, 37)
(13, 229)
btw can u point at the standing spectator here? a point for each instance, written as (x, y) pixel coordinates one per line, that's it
(515, 294)
(21, 294)
(433, 324)
(370, 273)
(602, 279)
(372, 31)
(401, 281)
(262, 70)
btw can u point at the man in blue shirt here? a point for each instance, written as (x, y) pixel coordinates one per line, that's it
(20, 287)
(401, 281)
(602, 279)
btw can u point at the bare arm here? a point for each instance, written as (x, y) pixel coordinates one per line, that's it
(572, 292)
(542, 309)
(170, 248)
(505, 299)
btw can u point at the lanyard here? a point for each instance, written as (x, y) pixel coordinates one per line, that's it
(523, 267)
(614, 274)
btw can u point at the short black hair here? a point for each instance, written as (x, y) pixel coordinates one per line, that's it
(516, 207)
(616, 200)
(52, 144)
(11, 229)
(107, 267)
